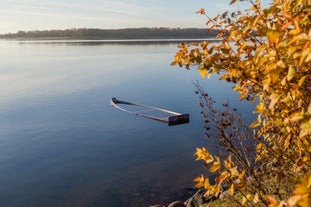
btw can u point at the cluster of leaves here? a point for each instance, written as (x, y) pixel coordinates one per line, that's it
(266, 53)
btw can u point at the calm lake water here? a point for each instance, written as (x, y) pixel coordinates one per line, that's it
(63, 145)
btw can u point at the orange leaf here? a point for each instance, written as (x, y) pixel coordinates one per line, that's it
(286, 25)
(272, 201)
(201, 11)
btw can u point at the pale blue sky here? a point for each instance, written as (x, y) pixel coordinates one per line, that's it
(29, 15)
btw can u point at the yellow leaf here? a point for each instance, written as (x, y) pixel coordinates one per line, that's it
(231, 190)
(200, 181)
(305, 186)
(206, 183)
(203, 154)
(246, 198)
(234, 171)
(274, 74)
(259, 51)
(308, 59)
(302, 80)
(217, 190)
(224, 77)
(233, 72)
(305, 128)
(216, 165)
(260, 107)
(274, 100)
(291, 73)
(274, 35)
(241, 175)
(203, 72)
(223, 176)
(305, 56)
(292, 201)
(256, 123)
(281, 64)
(266, 83)
(228, 163)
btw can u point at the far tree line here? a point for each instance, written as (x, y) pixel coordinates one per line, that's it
(110, 34)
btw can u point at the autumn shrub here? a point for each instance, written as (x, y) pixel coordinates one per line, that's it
(266, 54)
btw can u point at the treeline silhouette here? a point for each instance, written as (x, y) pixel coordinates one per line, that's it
(112, 34)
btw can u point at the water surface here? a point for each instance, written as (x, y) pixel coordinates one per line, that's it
(62, 144)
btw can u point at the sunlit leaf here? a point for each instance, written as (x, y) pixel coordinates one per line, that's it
(246, 198)
(203, 72)
(274, 97)
(293, 200)
(224, 77)
(256, 198)
(216, 165)
(274, 35)
(228, 163)
(231, 190)
(200, 181)
(274, 74)
(291, 72)
(305, 127)
(272, 201)
(203, 154)
(256, 123)
(303, 190)
(259, 51)
(260, 107)
(302, 80)
(241, 175)
(234, 171)
(206, 183)
(217, 190)
(223, 176)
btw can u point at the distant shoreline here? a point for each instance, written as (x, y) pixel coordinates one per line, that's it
(100, 41)
(130, 34)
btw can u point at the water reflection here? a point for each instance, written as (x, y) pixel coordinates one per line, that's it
(95, 42)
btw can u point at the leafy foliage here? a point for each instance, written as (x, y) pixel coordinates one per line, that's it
(266, 53)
